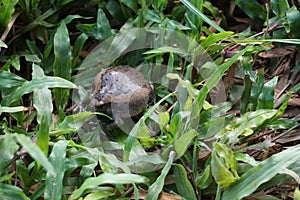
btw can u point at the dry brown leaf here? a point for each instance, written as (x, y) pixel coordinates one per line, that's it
(278, 52)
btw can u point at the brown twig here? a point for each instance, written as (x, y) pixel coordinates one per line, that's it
(9, 26)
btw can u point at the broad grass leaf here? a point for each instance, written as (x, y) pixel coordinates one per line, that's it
(167, 49)
(160, 5)
(214, 112)
(101, 193)
(266, 97)
(32, 58)
(4, 109)
(107, 51)
(183, 142)
(34, 49)
(71, 123)
(42, 98)
(281, 124)
(156, 187)
(203, 180)
(13, 61)
(107, 178)
(297, 194)
(70, 18)
(185, 84)
(183, 185)
(2, 44)
(151, 15)
(132, 4)
(214, 38)
(7, 8)
(179, 123)
(245, 99)
(35, 152)
(274, 121)
(147, 163)
(224, 165)
(280, 7)
(212, 81)
(116, 10)
(246, 158)
(214, 126)
(23, 174)
(134, 132)
(253, 9)
(199, 14)
(293, 17)
(43, 134)
(101, 30)
(211, 122)
(78, 45)
(62, 63)
(257, 87)
(54, 182)
(163, 119)
(36, 84)
(8, 148)
(194, 20)
(262, 173)
(11, 192)
(245, 125)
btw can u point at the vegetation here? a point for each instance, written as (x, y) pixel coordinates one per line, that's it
(223, 123)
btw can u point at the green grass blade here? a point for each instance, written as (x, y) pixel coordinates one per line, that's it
(10, 192)
(224, 165)
(15, 109)
(201, 15)
(9, 80)
(280, 7)
(71, 123)
(253, 9)
(2, 44)
(37, 84)
(8, 148)
(297, 194)
(262, 173)
(214, 38)
(182, 182)
(7, 8)
(107, 178)
(42, 101)
(134, 132)
(266, 97)
(246, 94)
(54, 182)
(78, 45)
(156, 187)
(212, 81)
(184, 141)
(62, 63)
(35, 152)
(287, 41)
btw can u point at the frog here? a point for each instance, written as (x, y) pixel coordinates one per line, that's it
(121, 92)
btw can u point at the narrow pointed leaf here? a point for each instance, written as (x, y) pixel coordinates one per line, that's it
(107, 178)
(35, 152)
(261, 173)
(157, 186)
(62, 63)
(54, 182)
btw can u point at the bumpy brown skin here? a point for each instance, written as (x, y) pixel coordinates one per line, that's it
(121, 92)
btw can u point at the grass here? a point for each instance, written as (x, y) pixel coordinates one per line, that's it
(224, 100)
